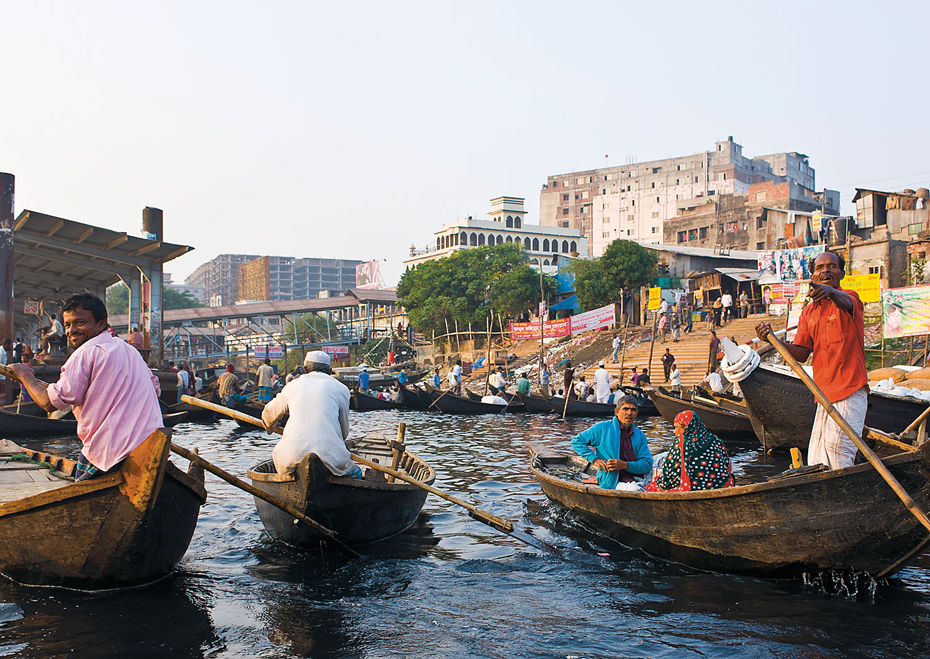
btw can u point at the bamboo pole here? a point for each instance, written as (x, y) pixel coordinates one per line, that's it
(487, 376)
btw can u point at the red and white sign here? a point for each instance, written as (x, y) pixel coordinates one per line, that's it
(551, 330)
(367, 275)
(275, 352)
(542, 308)
(336, 350)
(593, 320)
(260, 352)
(31, 307)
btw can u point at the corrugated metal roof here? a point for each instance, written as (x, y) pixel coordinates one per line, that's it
(704, 252)
(740, 274)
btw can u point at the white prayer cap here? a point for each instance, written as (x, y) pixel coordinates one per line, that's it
(317, 357)
(600, 363)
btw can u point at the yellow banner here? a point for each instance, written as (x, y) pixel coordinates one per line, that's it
(655, 298)
(867, 287)
(816, 222)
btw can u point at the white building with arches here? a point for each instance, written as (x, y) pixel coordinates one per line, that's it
(507, 224)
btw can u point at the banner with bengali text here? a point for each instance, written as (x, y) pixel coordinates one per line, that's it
(655, 298)
(593, 320)
(867, 287)
(551, 330)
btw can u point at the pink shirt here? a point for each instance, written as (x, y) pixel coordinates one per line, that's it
(115, 398)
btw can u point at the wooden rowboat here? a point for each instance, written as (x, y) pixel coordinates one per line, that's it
(452, 404)
(25, 426)
(414, 398)
(581, 407)
(723, 422)
(120, 529)
(361, 402)
(783, 409)
(359, 511)
(646, 406)
(536, 404)
(789, 525)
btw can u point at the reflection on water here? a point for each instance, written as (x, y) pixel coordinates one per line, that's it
(449, 586)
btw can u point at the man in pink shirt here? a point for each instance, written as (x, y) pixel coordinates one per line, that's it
(113, 393)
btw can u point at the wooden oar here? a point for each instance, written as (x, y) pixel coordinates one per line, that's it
(264, 496)
(474, 512)
(441, 395)
(916, 422)
(842, 423)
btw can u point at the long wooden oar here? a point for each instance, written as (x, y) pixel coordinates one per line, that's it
(264, 496)
(916, 422)
(474, 512)
(838, 418)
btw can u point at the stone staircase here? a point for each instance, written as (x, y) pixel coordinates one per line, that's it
(691, 351)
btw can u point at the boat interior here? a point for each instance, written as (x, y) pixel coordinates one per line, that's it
(24, 472)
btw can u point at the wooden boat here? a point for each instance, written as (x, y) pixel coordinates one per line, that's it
(783, 409)
(173, 419)
(196, 414)
(792, 524)
(361, 402)
(359, 511)
(24, 426)
(414, 398)
(452, 404)
(723, 422)
(646, 406)
(580, 407)
(535, 404)
(121, 529)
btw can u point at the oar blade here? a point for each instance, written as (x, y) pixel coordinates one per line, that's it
(522, 536)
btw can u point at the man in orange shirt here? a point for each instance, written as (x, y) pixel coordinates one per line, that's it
(832, 328)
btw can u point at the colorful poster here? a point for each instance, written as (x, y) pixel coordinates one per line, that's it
(565, 276)
(867, 287)
(592, 320)
(552, 329)
(655, 298)
(906, 311)
(367, 275)
(786, 264)
(789, 291)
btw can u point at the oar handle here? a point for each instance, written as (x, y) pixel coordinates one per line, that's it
(6, 371)
(228, 411)
(916, 422)
(838, 418)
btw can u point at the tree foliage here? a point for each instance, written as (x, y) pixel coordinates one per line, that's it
(465, 286)
(624, 265)
(118, 300)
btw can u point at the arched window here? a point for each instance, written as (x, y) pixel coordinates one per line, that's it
(463, 238)
(474, 240)
(565, 246)
(509, 239)
(510, 221)
(480, 239)
(546, 245)
(517, 222)
(574, 246)
(535, 244)
(526, 244)
(439, 242)
(500, 239)
(545, 261)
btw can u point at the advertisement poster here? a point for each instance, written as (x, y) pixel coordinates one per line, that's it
(787, 264)
(275, 352)
(367, 275)
(655, 298)
(867, 287)
(592, 320)
(906, 311)
(790, 291)
(565, 277)
(552, 329)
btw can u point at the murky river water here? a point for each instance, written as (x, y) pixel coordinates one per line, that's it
(451, 587)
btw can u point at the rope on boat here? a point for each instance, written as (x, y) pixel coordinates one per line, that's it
(743, 367)
(23, 457)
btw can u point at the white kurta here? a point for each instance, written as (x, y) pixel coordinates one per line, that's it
(602, 385)
(318, 406)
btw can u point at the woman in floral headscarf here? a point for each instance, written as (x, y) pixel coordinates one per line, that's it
(706, 463)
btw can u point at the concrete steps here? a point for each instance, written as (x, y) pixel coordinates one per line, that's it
(691, 351)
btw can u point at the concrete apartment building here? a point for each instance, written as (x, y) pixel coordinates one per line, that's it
(543, 245)
(271, 278)
(632, 202)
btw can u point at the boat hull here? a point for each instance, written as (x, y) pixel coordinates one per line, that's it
(843, 519)
(364, 403)
(725, 423)
(452, 404)
(581, 407)
(783, 409)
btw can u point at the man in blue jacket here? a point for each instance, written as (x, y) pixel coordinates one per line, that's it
(616, 448)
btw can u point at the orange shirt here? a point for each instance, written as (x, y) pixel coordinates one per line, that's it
(837, 339)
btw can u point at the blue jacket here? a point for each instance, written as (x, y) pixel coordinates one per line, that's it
(602, 440)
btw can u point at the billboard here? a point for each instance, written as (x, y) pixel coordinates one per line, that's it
(786, 264)
(552, 329)
(367, 275)
(789, 291)
(260, 352)
(906, 311)
(867, 287)
(592, 320)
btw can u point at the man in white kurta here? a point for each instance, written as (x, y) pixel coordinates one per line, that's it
(601, 383)
(318, 406)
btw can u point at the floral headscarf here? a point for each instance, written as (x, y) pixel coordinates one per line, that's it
(707, 465)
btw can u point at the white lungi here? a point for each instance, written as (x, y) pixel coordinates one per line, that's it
(829, 443)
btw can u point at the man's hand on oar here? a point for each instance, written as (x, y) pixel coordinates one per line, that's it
(474, 512)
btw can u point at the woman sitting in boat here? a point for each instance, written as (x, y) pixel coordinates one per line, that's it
(616, 448)
(697, 461)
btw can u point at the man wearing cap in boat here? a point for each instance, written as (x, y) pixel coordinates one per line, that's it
(616, 448)
(318, 409)
(832, 328)
(112, 391)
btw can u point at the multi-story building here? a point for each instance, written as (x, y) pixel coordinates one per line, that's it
(543, 245)
(195, 292)
(633, 201)
(271, 278)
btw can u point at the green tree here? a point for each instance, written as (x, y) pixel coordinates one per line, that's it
(624, 265)
(118, 299)
(592, 286)
(463, 287)
(517, 291)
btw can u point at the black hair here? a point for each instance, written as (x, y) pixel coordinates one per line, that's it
(88, 302)
(267, 361)
(839, 259)
(626, 400)
(897, 305)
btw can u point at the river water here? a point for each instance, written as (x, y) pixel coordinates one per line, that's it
(450, 586)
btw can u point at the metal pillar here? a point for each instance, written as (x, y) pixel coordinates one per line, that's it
(7, 187)
(152, 226)
(135, 298)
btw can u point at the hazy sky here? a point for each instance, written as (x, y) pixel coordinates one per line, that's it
(351, 130)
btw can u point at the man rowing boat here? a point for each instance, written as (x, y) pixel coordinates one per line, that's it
(113, 392)
(832, 328)
(318, 409)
